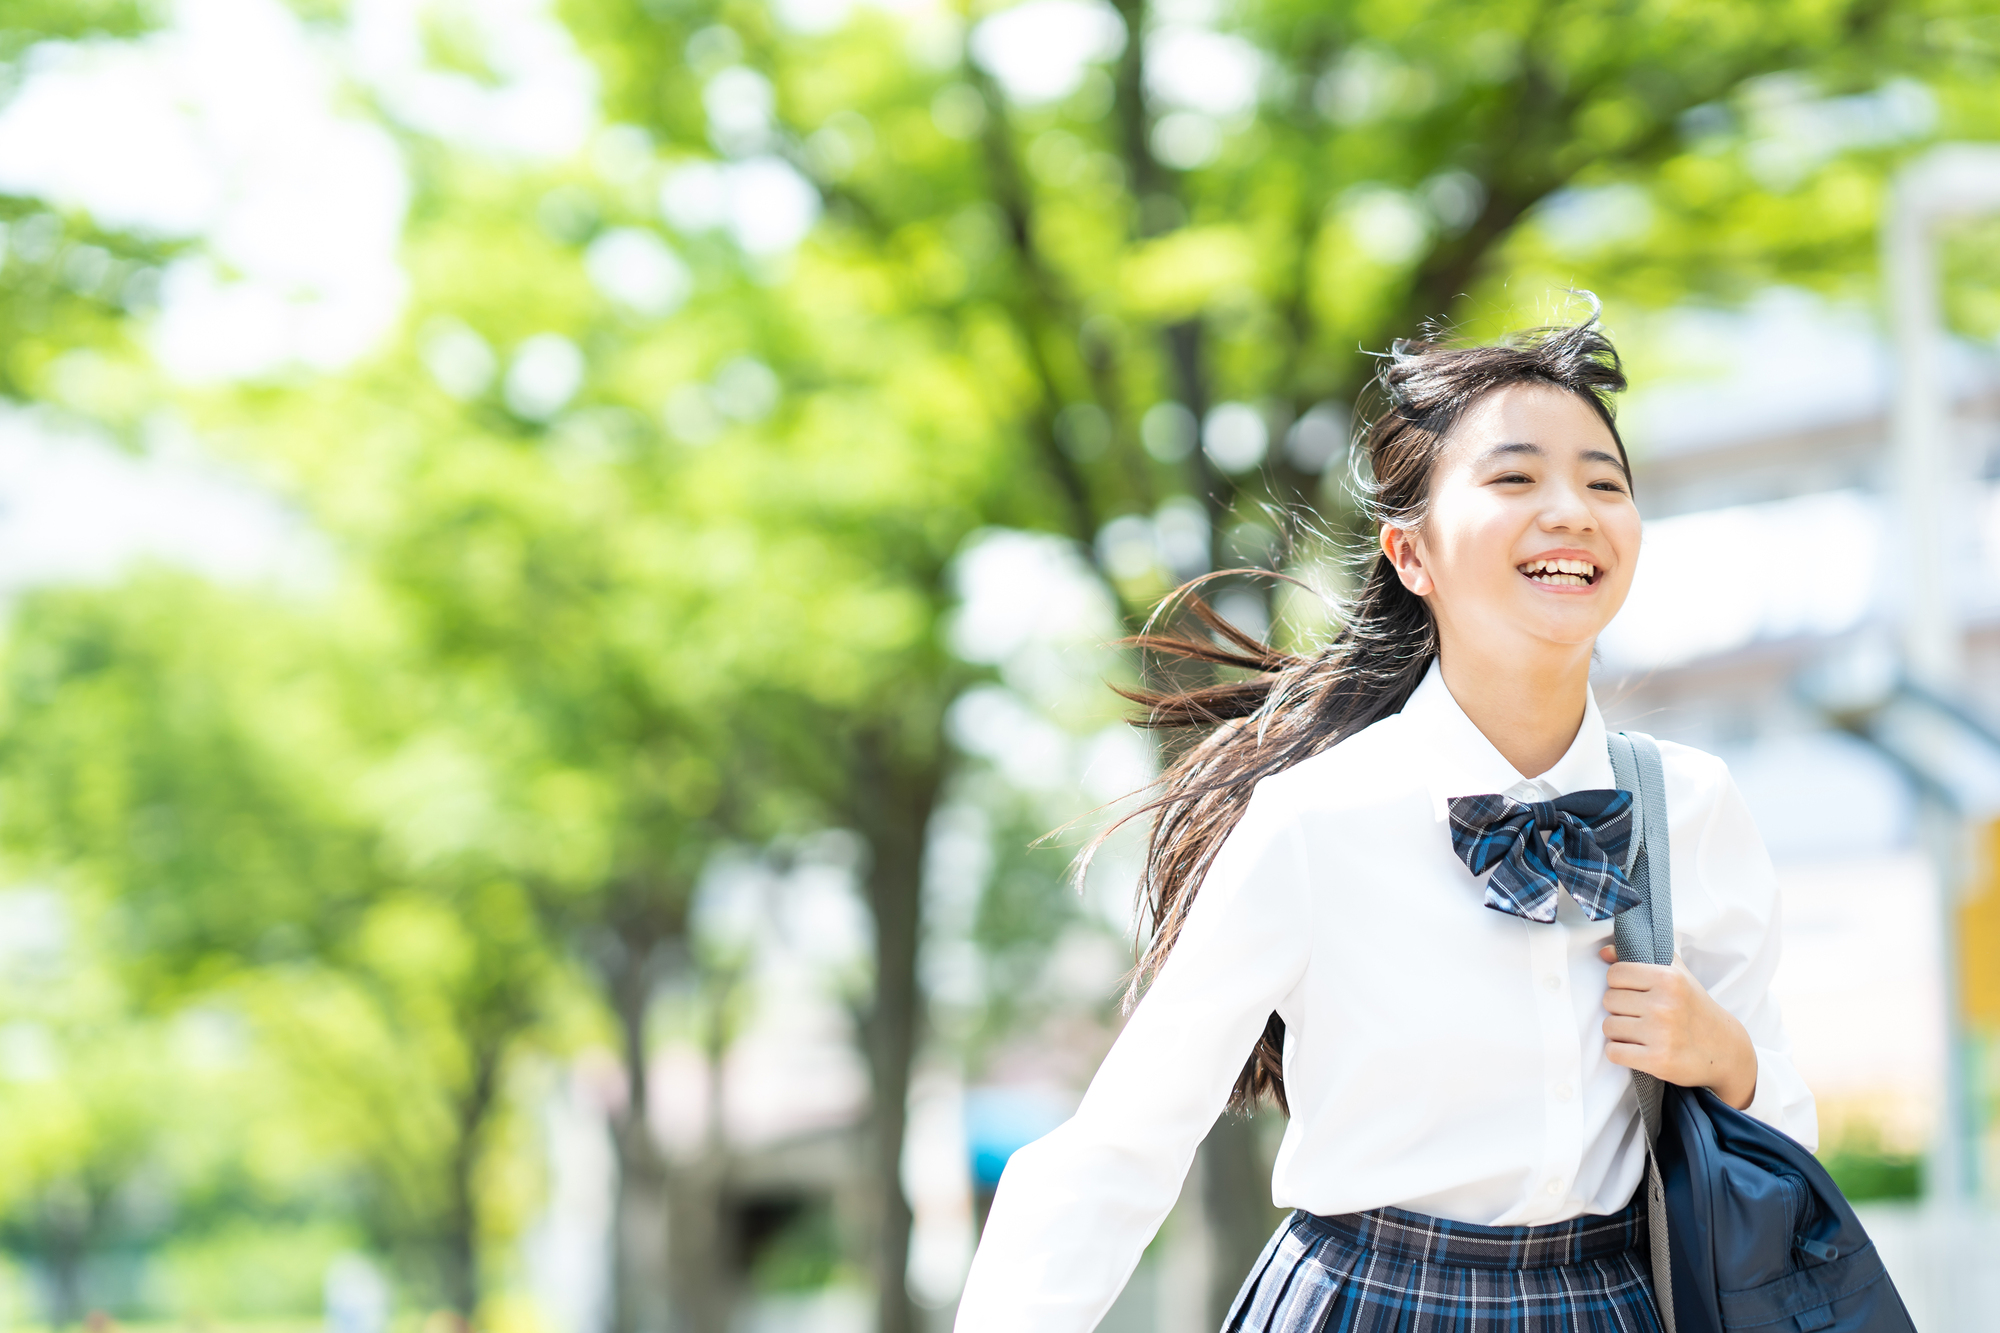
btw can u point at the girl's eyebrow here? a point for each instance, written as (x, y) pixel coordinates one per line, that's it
(1523, 447)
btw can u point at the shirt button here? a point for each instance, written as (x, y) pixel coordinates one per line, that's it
(1563, 1092)
(1554, 1187)
(1552, 982)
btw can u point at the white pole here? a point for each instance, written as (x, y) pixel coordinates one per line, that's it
(1951, 181)
(1918, 430)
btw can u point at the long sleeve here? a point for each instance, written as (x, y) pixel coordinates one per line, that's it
(1736, 957)
(1076, 1209)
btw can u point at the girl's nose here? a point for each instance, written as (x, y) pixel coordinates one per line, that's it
(1568, 510)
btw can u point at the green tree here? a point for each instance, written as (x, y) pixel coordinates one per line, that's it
(68, 286)
(652, 649)
(1050, 283)
(221, 779)
(1109, 254)
(656, 528)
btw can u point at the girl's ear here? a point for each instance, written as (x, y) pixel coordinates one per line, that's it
(1400, 545)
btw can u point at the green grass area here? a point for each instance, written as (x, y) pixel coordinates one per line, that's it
(804, 1255)
(249, 1271)
(1865, 1173)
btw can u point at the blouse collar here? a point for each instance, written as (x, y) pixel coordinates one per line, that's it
(1459, 761)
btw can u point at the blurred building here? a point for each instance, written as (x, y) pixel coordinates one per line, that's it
(1770, 580)
(1763, 627)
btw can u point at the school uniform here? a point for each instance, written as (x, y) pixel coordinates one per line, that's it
(1460, 1154)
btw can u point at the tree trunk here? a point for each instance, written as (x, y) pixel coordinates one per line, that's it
(668, 1252)
(669, 1256)
(462, 1284)
(698, 1249)
(896, 794)
(700, 1246)
(1236, 1202)
(68, 1217)
(639, 1233)
(639, 1220)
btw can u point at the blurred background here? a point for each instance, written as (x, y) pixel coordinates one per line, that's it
(558, 555)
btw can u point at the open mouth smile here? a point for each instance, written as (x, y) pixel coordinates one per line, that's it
(1560, 573)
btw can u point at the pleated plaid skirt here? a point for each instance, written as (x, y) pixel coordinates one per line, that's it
(1393, 1271)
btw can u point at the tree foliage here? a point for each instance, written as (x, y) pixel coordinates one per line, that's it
(644, 518)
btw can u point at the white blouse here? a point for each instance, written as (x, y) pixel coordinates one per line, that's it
(1440, 1056)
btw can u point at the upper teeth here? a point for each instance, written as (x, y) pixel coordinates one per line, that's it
(1583, 567)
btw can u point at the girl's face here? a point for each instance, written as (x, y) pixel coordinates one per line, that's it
(1531, 532)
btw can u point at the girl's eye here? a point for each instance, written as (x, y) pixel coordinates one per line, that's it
(1611, 486)
(1515, 477)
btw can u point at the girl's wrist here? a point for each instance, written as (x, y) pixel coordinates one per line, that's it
(1737, 1084)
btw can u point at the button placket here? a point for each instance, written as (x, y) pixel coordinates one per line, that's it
(1549, 983)
(1562, 1144)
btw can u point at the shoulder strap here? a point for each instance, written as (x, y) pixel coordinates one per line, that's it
(1645, 934)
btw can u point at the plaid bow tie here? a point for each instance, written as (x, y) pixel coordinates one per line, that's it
(1575, 842)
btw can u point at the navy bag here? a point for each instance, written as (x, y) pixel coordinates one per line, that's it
(1748, 1231)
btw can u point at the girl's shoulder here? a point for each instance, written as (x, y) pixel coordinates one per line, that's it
(1699, 784)
(1695, 771)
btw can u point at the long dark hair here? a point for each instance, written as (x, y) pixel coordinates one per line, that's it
(1282, 707)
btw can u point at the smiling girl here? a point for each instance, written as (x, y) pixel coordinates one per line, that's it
(1451, 1047)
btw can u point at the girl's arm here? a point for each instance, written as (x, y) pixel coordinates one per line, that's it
(1076, 1209)
(1710, 1020)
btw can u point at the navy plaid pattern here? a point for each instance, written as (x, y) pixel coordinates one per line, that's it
(1575, 842)
(1392, 1271)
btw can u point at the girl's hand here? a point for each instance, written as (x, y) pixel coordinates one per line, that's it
(1663, 1023)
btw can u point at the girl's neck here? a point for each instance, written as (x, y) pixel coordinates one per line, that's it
(1528, 704)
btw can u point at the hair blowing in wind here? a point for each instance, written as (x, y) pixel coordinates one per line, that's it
(1274, 708)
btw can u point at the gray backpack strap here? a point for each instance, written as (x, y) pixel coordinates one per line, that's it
(1645, 934)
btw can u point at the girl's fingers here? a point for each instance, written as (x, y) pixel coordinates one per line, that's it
(1631, 1031)
(1626, 1053)
(1631, 1003)
(1609, 953)
(1636, 976)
